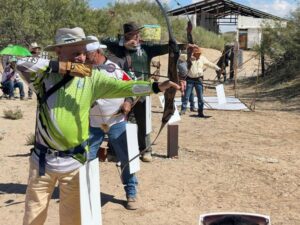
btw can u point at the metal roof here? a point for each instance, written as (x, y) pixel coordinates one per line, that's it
(220, 9)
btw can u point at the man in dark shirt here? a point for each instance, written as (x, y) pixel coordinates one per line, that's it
(134, 56)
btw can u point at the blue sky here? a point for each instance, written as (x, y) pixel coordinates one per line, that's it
(275, 7)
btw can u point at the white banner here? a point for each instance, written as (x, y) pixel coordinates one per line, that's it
(176, 117)
(90, 201)
(221, 94)
(148, 115)
(133, 147)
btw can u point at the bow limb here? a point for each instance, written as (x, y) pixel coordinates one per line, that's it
(190, 41)
(189, 37)
(169, 94)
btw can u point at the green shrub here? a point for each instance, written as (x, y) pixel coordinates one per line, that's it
(144, 12)
(28, 19)
(15, 114)
(208, 39)
(281, 46)
(229, 37)
(201, 36)
(30, 139)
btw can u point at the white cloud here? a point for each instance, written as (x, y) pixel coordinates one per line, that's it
(280, 8)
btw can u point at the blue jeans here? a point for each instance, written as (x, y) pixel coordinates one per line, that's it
(190, 84)
(9, 87)
(191, 99)
(118, 140)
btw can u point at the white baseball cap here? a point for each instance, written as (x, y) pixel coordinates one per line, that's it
(95, 45)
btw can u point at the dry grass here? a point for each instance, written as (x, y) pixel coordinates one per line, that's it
(15, 114)
(2, 133)
(30, 139)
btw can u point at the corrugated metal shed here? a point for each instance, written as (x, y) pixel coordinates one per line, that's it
(220, 9)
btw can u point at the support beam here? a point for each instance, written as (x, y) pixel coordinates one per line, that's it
(172, 141)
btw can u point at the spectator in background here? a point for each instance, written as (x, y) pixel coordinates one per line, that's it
(182, 73)
(231, 59)
(11, 80)
(194, 79)
(223, 63)
(108, 116)
(35, 51)
(134, 56)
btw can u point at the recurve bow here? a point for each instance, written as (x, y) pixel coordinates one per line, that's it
(189, 37)
(169, 94)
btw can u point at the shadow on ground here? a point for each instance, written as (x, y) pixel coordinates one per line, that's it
(11, 188)
(105, 198)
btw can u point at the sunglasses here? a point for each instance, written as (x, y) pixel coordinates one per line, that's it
(232, 218)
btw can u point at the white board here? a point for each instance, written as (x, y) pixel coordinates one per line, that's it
(227, 106)
(232, 103)
(148, 115)
(229, 99)
(221, 94)
(176, 117)
(90, 202)
(133, 147)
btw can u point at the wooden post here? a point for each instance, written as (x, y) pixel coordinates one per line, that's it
(262, 61)
(102, 154)
(236, 51)
(262, 56)
(172, 141)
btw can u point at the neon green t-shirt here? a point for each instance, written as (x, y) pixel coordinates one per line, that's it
(63, 121)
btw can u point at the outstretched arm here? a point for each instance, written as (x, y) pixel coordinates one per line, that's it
(210, 64)
(168, 84)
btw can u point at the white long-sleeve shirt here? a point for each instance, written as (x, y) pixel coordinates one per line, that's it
(106, 111)
(197, 67)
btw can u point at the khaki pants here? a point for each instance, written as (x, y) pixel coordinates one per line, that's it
(39, 192)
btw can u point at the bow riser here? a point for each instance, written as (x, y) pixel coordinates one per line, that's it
(172, 75)
(190, 41)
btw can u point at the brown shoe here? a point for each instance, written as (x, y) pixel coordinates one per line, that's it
(131, 203)
(147, 157)
(182, 112)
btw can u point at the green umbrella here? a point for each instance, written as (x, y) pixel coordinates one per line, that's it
(15, 50)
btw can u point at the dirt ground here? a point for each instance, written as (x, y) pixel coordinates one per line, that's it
(233, 161)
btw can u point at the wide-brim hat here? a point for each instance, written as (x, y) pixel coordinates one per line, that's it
(69, 36)
(131, 27)
(197, 50)
(34, 45)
